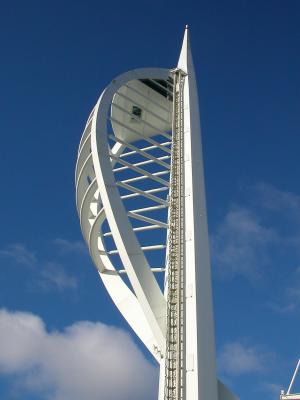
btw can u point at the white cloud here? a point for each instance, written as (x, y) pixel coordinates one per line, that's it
(47, 274)
(286, 203)
(294, 292)
(272, 388)
(68, 246)
(87, 360)
(284, 308)
(243, 243)
(240, 242)
(291, 296)
(237, 358)
(19, 253)
(54, 276)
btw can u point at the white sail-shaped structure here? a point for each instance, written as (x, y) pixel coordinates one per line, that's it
(140, 197)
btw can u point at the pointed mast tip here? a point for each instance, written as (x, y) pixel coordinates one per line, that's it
(185, 58)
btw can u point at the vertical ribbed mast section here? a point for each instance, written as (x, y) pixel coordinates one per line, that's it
(174, 367)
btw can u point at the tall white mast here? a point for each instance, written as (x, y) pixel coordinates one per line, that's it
(194, 346)
(201, 380)
(139, 173)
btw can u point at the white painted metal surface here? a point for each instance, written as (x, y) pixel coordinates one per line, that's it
(140, 197)
(288, 395)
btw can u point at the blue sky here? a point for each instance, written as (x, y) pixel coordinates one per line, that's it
(55, 317)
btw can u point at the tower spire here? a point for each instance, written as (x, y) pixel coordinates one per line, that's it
(185, 62)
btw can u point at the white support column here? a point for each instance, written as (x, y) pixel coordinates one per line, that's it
(201, 380)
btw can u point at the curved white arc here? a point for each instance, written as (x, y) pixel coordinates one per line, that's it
(121, 295)
(134, 261)
(86, 132)
(85, 207)
(82, 155)
(131, 310)
(84, 203)
(81, 184)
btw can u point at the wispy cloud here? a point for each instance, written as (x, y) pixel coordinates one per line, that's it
(238, 358)
(273, 389)
(291, 296)
(284, 202)
(253, 235)
(20, 254)
(48, 275)
(270, 390)
(68, 246)
(240, 243)
(284, 308)
(84, 361)
(54, 276)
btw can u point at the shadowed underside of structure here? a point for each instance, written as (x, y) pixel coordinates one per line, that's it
(140, 197)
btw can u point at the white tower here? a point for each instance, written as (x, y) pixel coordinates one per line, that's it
(139, 180)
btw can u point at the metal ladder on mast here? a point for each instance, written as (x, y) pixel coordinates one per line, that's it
(175, 363)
